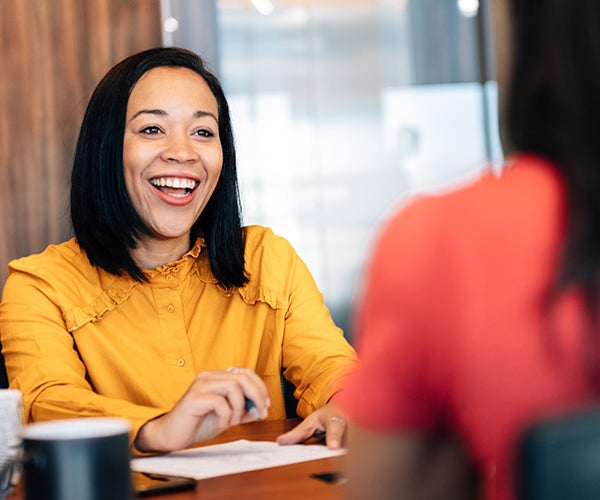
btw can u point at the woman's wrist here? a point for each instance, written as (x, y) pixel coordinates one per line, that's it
(146, 438)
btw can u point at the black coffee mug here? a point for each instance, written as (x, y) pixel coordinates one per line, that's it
(77, 459)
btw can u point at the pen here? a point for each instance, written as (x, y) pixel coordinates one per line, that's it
(251, 408)
(319, 434)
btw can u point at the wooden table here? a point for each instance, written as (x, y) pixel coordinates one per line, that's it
(289, 482)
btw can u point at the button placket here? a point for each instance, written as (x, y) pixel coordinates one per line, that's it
(173, 330)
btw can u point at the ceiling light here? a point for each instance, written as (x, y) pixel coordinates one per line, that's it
(468, 8)
(171, 25)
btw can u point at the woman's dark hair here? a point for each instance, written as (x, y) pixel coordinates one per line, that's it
(105, 222)
(552, 110)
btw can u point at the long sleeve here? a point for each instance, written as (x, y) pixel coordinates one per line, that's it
(316, 356)
(43, 361)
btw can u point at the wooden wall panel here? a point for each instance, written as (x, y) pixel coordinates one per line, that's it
(52, 54)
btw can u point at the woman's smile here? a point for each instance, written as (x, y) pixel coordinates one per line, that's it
(175, 187)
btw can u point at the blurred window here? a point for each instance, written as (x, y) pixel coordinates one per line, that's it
(344, 108)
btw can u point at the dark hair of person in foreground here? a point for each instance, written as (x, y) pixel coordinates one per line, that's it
(553, 111)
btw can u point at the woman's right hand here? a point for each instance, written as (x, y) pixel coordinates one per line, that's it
(214, 402)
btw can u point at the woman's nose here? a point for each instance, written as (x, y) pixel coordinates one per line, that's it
(180, 148)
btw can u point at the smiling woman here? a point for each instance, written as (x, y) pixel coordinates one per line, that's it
(162, 291)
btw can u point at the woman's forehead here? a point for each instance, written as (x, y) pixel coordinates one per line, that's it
(173, 87)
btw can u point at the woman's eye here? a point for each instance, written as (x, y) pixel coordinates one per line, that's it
(204, 133)
(150, 130)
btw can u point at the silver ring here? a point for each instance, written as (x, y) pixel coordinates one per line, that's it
(234, 369)
(337, 419)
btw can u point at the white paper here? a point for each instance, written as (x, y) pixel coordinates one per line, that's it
(230, 458)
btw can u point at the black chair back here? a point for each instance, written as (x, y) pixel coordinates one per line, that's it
(559, 458)
(3, 376)
(288, 397)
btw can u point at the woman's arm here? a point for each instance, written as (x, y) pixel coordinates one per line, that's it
(43, 363)
(316, 357)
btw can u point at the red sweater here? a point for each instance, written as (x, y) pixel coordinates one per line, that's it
(452, 329)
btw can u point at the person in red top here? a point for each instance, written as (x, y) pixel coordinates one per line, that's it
(477, 305)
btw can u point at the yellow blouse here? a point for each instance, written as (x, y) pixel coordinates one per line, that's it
(79, 341)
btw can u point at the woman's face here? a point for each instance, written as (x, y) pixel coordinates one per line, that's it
(172, 153)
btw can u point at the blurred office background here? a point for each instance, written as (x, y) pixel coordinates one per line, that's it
(342, 109)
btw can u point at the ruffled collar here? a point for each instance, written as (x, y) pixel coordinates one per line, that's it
(182, 265)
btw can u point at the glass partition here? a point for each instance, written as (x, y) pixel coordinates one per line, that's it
(344, 109)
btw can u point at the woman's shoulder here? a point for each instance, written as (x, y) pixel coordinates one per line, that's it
(261, 239)
(503, 193)
(59, 266)
(54, 257)
(63, 274)
(270, 262)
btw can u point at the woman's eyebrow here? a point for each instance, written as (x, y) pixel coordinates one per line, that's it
(202, 114)
(157, 112)
(160, 112)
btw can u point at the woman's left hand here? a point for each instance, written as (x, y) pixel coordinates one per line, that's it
(328, 419)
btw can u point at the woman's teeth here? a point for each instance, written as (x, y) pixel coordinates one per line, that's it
(175, 183)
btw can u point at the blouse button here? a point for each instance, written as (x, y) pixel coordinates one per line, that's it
(180, 362)
(171, 308)
(169, 277)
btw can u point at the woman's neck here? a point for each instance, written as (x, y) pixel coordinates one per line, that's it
(151, 253)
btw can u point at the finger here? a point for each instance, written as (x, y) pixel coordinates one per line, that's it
(234, 394)
(194, 418)
(302, 432)
(216, 410)
(335, 429)
(239, 386)
(252, 377)
(222, 385)
(256, 396)
(242, 407)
